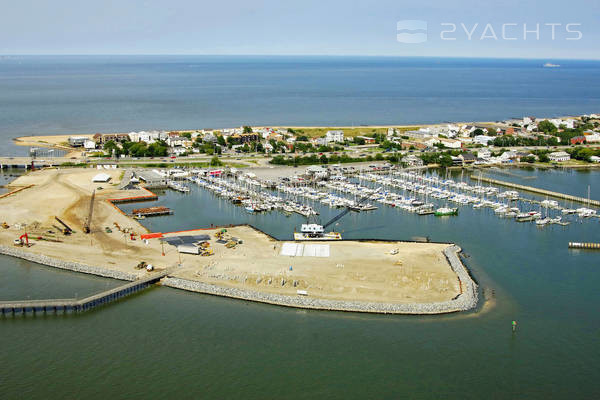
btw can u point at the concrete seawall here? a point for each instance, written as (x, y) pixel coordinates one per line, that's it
(467, 300)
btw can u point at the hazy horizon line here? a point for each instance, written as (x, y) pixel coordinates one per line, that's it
(289, 55)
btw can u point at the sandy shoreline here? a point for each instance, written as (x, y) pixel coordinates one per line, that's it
(363, 276)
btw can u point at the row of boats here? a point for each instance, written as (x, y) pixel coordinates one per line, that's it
(405, 190)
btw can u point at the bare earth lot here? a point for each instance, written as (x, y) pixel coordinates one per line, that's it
(357, 271)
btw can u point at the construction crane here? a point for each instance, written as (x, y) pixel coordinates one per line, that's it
(317, 232)
(66, 230)
(348, 209)
(88, 221)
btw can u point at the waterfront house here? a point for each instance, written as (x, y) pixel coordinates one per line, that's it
(77, 141)
(467, 158)
(484, 153)
(595, 159)
(559, 156)
(412, 161)
(89, 144)
(335, 136)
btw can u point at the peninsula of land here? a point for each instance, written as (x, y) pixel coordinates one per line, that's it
(362, 276)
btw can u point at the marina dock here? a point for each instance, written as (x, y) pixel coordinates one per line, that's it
(152, 211)
(579, 245)
(543, 192)
(78, 305)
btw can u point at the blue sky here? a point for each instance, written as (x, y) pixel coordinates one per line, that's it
(351, 27)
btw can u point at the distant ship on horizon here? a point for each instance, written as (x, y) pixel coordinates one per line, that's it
(550, 65)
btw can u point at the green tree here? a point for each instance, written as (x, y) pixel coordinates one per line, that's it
(221, 140)
(477, 132)
(547, 127)
(247, 129)
(215, 162)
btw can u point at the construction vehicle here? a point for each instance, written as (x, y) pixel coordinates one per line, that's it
(21, 242)
(5, 225)
(206, 252)
(88, 221)
(220, 235)
(66, 230)
(141, 265)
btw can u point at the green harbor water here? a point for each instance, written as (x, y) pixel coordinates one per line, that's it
(170, 343)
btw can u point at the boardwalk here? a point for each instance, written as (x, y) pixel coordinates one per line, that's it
(75, 305)
(543, 192)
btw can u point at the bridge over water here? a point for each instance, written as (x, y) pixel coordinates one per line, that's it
(78, 305)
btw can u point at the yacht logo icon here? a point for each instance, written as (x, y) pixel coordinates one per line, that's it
(411, 31)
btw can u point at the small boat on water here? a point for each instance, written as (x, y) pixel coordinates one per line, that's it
(528, 216)
(542, 221)
(446, 211)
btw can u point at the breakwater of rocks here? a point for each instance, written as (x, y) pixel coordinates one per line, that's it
(466, 300)
(68, 265)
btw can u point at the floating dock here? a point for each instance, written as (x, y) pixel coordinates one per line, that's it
(579, 245)
(543, 192)
(152, 211)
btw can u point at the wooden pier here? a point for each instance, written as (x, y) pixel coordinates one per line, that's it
(543, 192)
(79, 305)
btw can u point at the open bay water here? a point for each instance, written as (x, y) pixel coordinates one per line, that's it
(170, 343)
(89, 94)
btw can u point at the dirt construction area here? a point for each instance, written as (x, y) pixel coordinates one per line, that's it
(391, 272)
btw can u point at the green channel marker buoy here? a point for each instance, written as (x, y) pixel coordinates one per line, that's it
(514, 326)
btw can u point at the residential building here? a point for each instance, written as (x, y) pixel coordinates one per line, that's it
(367, 139)
(483, 140)
(89, 144)
(451, 143)
(559, 156)
(335, 136)
(77, 141)
(412, 161)
(578, 140)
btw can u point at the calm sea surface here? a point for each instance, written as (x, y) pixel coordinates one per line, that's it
(166, 342)
(50, 95)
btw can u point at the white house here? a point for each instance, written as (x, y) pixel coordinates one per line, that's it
(592, 137)
(451, 143)
(77, 141)
(412, 161)
(595, 159)
(177, 141)
(89, 145)
(334, 136)
(483, 140)
(484, 153)
(559, 156)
